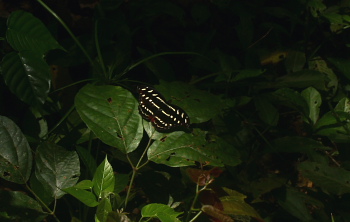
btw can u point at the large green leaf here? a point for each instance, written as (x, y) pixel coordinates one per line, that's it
(27, 75)
(103, 181)
(15, 153)
(294, 202)
(200, 105)
(111, 113)
(84, 196)
(20, 207)
(26, 32)
(183, 149)
(57, 168)
(334, 180)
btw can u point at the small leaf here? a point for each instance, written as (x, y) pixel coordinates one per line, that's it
(57, 168)
(27, 76)
(161, 211)
(333, 180)
(103, 209)
(314, 101)
(111, 112)
(84, 184)
(267, 112)
(86, 197)
(26, 32)
(15, 153)
(103, 180)
(248, 73)
(302, 79)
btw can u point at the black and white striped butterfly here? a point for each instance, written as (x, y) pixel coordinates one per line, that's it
(163, 116)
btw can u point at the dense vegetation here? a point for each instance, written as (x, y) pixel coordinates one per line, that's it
(265, 84)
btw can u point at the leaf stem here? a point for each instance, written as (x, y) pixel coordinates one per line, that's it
(67, 29)
(42, 203)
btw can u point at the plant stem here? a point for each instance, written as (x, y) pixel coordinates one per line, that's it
(67, 29)
(99, 54)
(42, 203)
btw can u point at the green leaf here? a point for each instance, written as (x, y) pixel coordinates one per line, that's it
(314, 101)
(234, 204)
(294, 203)
(182, 149)
(333, 180)
(160, 211)
(121, 181)
(248, 73)
(302, 79)
(15, 153)
(111, 112)
(26, 32)
(295, 144)
(20, 207)
(266, 111)
(86, 197)
(56, 168)
(87, 159)
(103, 181)
(295, 61)
(27, 75)
(200, 105)
(334, 125)
(84, 184)
(103, 209)
(291, 98)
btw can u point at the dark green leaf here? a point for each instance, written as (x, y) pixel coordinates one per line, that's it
(248, 73)
(302, 79)
(111, 112)
(27, 75)
(87, 159)
(57, 168)
(20, 207)
(314, 101)
(267, 112)
(333, 180)
(182, 149)
(294, 203)
(26, 32)
(293, 99)
(200, 105)
(121, 181)
(15, 153)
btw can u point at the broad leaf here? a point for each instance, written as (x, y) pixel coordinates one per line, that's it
(163, 212)
(103, 181)
(234, 204)
(111, 112)
(200, 105)
(183, 149)
(294, 203)
(291, 98)
(27, 75)
(26, 32)
(57, 168)
(87, 159)
(20, 207)
(15, 153)
(333, 180)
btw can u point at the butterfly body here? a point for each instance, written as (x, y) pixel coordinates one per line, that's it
(163, 116)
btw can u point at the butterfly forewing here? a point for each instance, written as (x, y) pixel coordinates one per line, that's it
(163, 116)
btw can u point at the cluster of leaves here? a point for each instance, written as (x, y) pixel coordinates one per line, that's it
(268, 107)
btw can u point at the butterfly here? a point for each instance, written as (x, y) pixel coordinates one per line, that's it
(162, 115)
